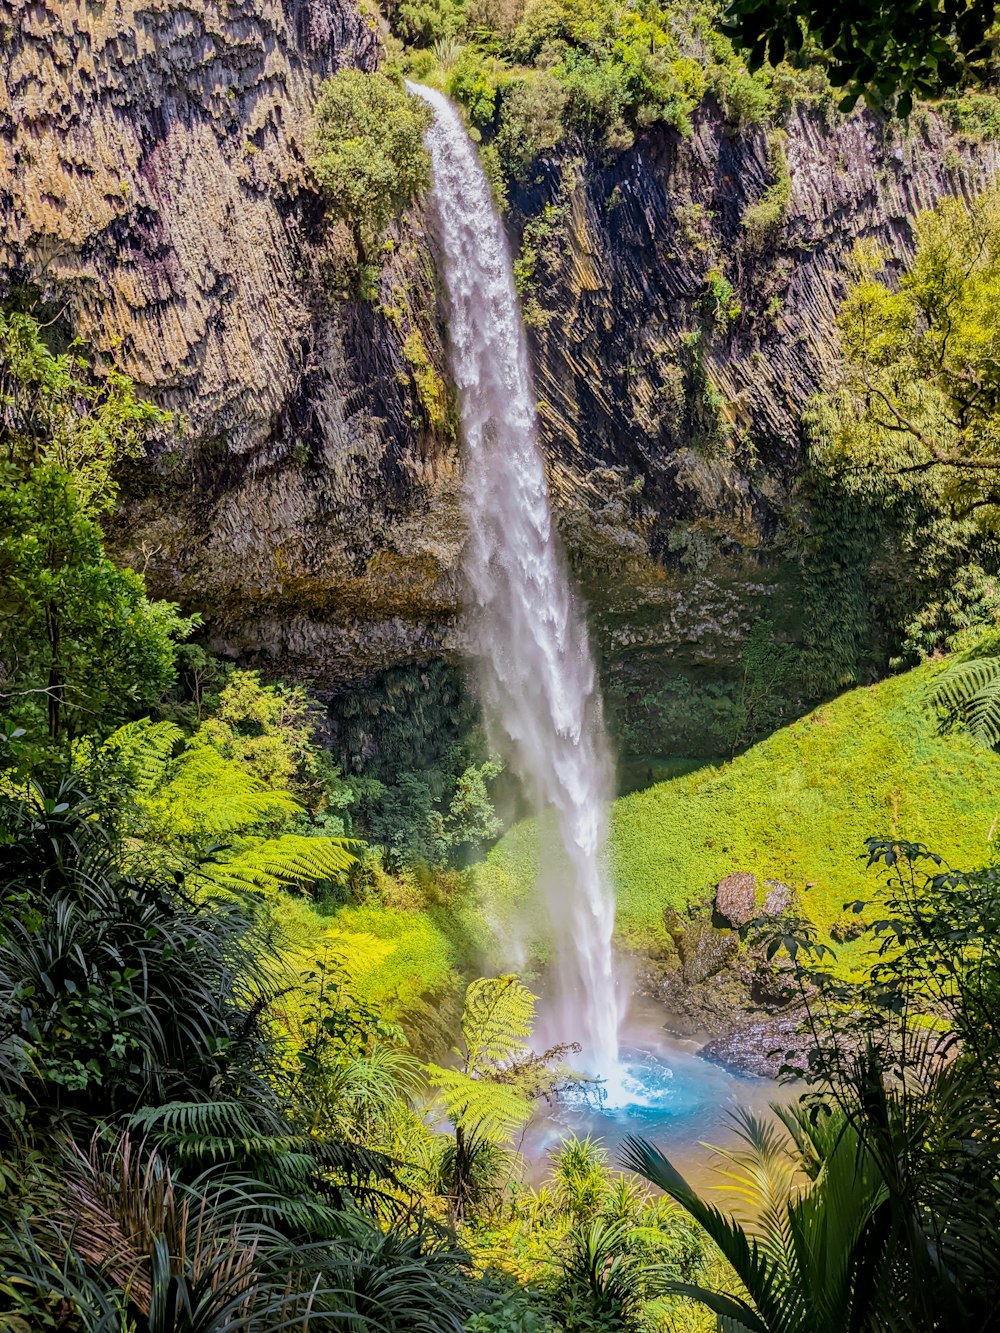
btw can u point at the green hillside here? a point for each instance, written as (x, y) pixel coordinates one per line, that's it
(797, 807)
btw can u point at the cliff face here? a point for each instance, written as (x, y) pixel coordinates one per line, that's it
(152, 183)
(684, 300)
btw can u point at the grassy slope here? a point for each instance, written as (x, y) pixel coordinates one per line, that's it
(797, 807)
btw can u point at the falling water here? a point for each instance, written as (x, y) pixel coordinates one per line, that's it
(527, 636)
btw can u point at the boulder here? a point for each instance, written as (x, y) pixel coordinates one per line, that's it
(779, 898)
(736, 897)
(705, 951)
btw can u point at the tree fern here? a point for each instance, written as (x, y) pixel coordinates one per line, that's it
(203, 794)
(492, 1111)
(289, 861)
(498, 1016)
(967, 694)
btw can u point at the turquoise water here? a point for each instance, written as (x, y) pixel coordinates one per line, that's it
(662, 1091)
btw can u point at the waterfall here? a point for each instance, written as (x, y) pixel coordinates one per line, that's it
(526, 633)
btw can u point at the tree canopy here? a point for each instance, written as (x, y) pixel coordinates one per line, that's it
(368, 152)
(875, 50)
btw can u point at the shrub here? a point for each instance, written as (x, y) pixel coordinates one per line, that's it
(762, 220)
(368, 153)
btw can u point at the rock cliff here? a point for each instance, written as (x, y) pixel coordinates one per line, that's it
(153, 186)
(682, 295)
(683, 303)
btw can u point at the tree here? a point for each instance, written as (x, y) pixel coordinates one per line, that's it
(471, 820)
(919, 399)
(492, 1091)
(874, 49)
(81, 645)
(368, 153)
(904, 466)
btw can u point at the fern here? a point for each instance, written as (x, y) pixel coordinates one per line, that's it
(967, 694)
(493, 1111)
(498, 1016)
(289, 861)
(203, 794)
(144, 748)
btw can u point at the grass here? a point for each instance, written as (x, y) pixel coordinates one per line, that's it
(797, 807)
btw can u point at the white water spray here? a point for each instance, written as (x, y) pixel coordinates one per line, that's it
(528, 638)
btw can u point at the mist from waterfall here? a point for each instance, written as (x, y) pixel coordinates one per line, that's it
(525, 631)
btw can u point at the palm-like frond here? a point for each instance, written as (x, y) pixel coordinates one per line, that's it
(494, 1111)
(741, 1251)
(496, 1020)
(291, 861)
(813, 1265)
(144, 748)
(968, 693)
(203, 794)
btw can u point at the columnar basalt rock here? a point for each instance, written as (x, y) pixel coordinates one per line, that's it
(153, 185)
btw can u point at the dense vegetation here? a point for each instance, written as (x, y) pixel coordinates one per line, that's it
(531, 75)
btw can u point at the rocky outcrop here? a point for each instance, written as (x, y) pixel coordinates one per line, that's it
(736, 897)
(779, 899)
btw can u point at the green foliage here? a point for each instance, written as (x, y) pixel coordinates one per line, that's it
(530, 74)
(873, 51)
(582, 1179)
(497, 1017)
(55, 412)
(606, 1281)
(431, 391)
(471, 821)
(538, 252)
(113, 988)
(179, 806)
(904, 1051)
(83, 647)
(722, 305)
(491, 1092)
(901, 529)
(216, 1188)
(418, 732)
(766, 677)
(763, 220)
(532, 122)
(367, 152)
(917, 407)
(810, 1270)
(968, 693)
(975, 115)
(265, 729)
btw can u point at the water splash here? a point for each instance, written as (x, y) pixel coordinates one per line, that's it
(526, 634)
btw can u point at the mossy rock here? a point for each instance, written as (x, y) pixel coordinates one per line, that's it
(705, 951)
